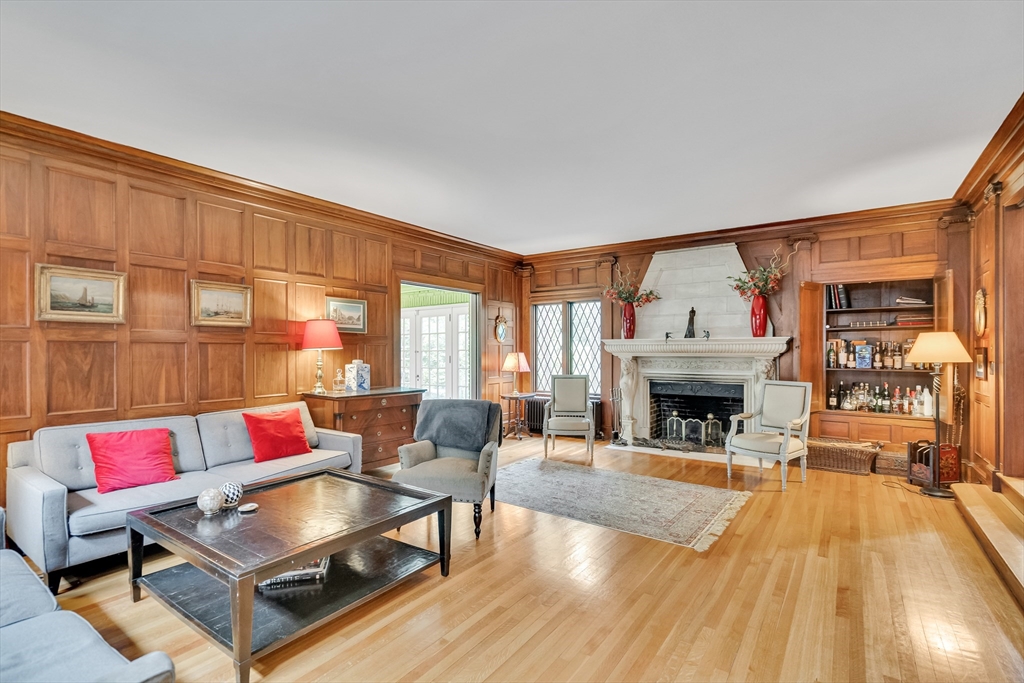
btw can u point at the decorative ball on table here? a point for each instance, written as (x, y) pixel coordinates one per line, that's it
(210, 501)
(232, 493)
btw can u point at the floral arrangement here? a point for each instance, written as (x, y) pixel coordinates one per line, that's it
(763, 280)
(627, 291)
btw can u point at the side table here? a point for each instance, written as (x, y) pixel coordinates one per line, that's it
(517, 414)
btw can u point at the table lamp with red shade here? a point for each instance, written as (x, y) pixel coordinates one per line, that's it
(319, 335)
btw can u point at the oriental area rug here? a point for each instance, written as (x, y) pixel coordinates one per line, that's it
(674, 511)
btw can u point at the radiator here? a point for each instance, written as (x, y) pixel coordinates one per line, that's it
(535, 415)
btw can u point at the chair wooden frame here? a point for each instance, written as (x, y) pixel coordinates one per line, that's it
(586, 414)
(796, 427)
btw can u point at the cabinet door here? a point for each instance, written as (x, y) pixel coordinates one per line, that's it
(812, 340)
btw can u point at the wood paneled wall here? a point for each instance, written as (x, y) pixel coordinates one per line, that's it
(897, 242)
(72, 200)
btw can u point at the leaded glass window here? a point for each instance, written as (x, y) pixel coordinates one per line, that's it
(567, 339)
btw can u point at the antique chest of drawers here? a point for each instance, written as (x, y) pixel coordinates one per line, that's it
(384, 417)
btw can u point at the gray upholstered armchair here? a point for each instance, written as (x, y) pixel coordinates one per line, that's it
(456, 451)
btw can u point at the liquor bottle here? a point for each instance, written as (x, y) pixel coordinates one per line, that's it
(886, 399)
(831, 355)
(927, 404)
(851, 357)
(918, 403)
(877, 363)
(841, 360)
(876, 401)
(833, 400)
(887, 362)
(842, 393)
(897, 401)
(848, 401)
(897, 356)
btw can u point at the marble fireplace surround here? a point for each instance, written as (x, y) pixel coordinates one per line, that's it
(741, 360)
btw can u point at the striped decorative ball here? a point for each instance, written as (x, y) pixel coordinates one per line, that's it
(232, 493)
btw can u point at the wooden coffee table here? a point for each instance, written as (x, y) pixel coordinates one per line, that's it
(300, 518)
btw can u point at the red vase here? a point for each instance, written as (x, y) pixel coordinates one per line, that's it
(628, 321)
(759, 315)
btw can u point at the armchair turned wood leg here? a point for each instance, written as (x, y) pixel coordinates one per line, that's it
(492, 496)
(478, 516)
(545, 445)
(760, 467)
(785, 467)
(803, 469)
(728, 464)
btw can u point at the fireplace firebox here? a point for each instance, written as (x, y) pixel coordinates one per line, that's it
(693, 411)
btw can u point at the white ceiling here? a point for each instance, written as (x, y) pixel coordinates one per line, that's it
(538, 126)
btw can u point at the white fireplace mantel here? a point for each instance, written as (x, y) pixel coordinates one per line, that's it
(746, 360)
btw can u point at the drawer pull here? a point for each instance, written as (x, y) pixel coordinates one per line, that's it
(380, 449)
(383, 401)
(403, 428)
(378, 416)
(404, 409)
(378, 433)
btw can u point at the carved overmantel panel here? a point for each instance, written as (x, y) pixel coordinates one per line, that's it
(747, 361)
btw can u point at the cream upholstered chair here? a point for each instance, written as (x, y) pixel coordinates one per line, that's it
(780, 428)
(569, 412)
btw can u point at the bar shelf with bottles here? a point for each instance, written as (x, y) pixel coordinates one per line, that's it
(869, 329)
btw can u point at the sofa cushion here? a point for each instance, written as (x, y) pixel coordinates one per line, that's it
(22, 594)
(90, 511)
(134, 458)
(457, 477)
(59, 646)
(575, 424)
(276, 435)
(226, 438)
(63, 452)
(249, 472)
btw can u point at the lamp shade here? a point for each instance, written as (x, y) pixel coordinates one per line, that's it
(515, 362)
(321, 334)
(938, 347)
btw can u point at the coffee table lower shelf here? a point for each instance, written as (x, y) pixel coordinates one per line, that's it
(354, 576)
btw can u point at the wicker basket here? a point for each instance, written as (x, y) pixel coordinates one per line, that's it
(840, 455)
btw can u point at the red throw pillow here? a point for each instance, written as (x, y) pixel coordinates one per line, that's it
(127, 459)
(276, 435)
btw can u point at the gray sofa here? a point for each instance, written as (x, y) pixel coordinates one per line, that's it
(57, 517)
(40, 642)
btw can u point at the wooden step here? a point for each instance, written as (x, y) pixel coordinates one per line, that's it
(1013, 489)
(999, 527)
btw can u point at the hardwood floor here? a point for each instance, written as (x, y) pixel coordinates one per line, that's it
(843, 578)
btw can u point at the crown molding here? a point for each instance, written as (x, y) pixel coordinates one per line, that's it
(1004, 151)
(16, 129)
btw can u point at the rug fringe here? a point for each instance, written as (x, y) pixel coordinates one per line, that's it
(718, 525)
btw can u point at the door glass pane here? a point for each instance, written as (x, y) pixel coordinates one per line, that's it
(585, 342)
(548, 340)
(462, 354)
(405, 350)
(434, 355)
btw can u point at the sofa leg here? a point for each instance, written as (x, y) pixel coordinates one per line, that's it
(53, 581)
(478, 517)
(492, 497)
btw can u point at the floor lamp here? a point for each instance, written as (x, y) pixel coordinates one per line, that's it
(319, 335)
(936, 348)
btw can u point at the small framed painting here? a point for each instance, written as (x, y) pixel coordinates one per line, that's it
(981, 362)
(79, 295)
(348, 314)
(221, 304)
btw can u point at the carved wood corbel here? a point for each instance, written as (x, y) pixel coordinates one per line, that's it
(523, 270)
(809, 237)
(993, 189)
(967, 217)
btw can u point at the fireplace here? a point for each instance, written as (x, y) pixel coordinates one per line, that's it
(693, 411)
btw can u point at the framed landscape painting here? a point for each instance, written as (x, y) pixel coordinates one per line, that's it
(81, 295)
(348, 314)
(220, 304)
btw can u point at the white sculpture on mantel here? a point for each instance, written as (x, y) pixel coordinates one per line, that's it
(738, 360)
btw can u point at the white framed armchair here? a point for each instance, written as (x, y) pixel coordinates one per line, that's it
(569, 412)
(779, 431)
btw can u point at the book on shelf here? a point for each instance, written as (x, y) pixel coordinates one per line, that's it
(844, 299)
(910, 301)
(311, 572)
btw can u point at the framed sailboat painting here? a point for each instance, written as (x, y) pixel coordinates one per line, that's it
(80, 295)
(221, 304)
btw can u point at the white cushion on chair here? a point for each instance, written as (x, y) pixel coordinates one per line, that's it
(764, 442)
(576, 424)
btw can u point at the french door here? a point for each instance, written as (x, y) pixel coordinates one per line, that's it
(435, 350)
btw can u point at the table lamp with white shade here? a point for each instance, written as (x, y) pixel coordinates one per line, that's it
(936, 348)
(515, 362)
(320, 335)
